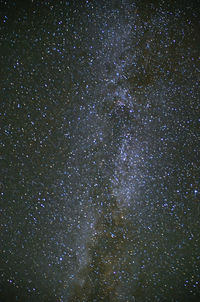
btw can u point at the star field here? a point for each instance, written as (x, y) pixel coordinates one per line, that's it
(100, 166)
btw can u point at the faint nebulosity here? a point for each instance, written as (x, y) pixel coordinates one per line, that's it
(100, 163)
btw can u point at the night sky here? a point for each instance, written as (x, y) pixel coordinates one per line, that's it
(99, 161)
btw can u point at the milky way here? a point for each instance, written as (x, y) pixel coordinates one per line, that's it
(100, 151)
